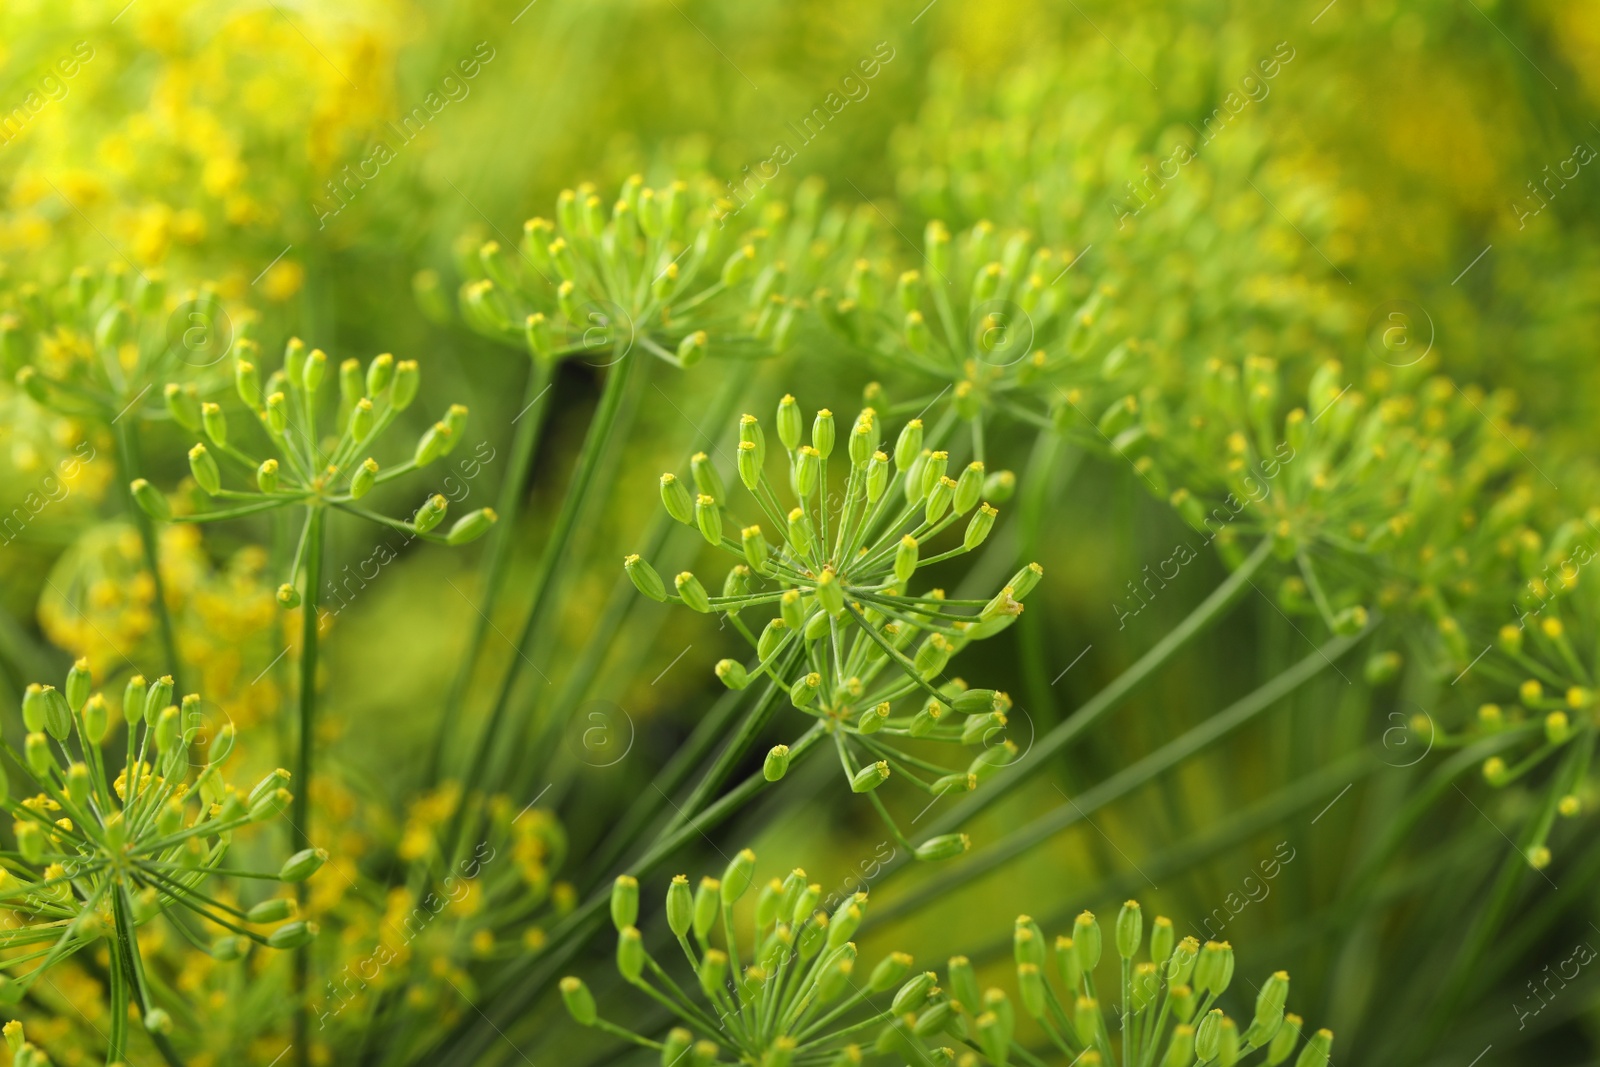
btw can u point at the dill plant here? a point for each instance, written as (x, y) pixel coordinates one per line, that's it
(100, 855)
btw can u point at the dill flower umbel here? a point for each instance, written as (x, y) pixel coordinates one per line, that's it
(656, 270)
(310, 470)
(1166, 1012)
(100, 854)
(788, 991)
(849, 641)
(991, 315)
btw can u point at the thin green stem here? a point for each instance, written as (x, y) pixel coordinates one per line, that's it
(523, 447)
(300, 825)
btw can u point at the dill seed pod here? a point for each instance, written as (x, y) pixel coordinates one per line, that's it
(183, 403)
(380, 373)
(873, 718)
(1023, 582)
(733, 675)
(869, 777)
(978, 528)
(78, 684)
(804, 690)
(905, 559)
(792, 608)
(293, 935)
(968, 488)
(1214, 971)
(302, 865)
(1161, 936)
(630, 954)
(692, 592)
(1068, 964)
(314, 370)
(1180, 1052)
(274, 910)
(430, 514)
(1269, 1010)
(738, 876)
(776, 765)
(890, 972)
(939, 499)
(150, 500)
(749, 464)
(680, 906)
(247, 382)
(675, 1049)
(877, 480)
(1284, 1041)
(204, 469)
(789, 422)
(645, 578)
(943, 847)
(1086, 1019)
(624, 901)
(934, 1019)
(706, 477)
(807, 471)
(407, 380)
(432, 444)
(1130, 929)
(800, 535)
(772, 636)
(277, 414)
(361, 420)
(913, 994)
(908, 446)
(822, 433)
(95, 718)
(215, 423)
(362, 481)
(708, 517)
(830, 594)
(1086, 940)
(756, 552)
(1208, 1036)
(579, 1001)
(692, 349)
(1317, 1051)
(1027, 941)
(677, 500)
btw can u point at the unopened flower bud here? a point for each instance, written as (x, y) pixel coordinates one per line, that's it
(430, 514)
(150, 500)
(943, 847)
(691, 592)
(204, 468)
(733, 675)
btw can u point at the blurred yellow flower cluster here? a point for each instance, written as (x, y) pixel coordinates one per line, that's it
(182, 138)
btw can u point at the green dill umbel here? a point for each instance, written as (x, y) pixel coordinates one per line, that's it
(852, 646)
(784, 988)
(312, 464)
(1161, 1011)
(99, 855)
(989, 316)
(105, 347)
